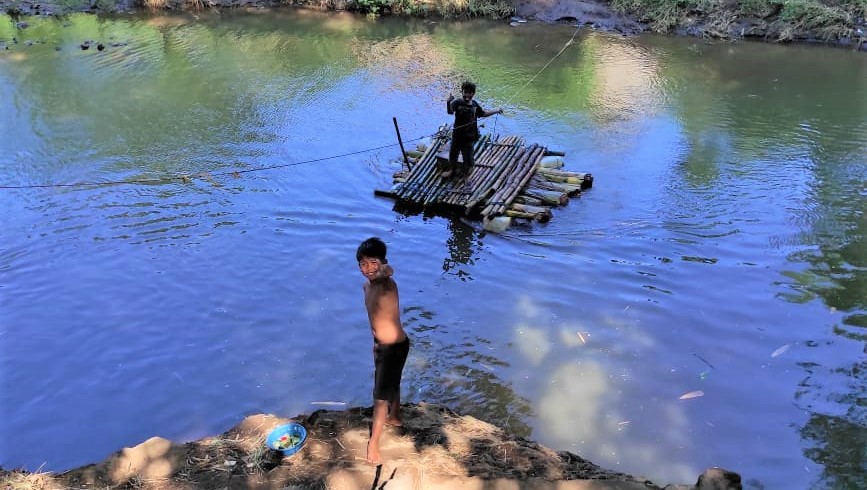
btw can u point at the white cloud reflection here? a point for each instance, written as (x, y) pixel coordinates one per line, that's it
(589, 403)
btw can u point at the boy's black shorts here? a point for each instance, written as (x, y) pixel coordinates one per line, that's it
(389, 360)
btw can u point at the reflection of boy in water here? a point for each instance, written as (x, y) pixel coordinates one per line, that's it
(465, 131)
(390, 343)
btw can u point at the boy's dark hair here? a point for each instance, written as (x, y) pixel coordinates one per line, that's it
(468, 86)
(372, 247)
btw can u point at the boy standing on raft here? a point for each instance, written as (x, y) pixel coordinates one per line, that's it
(390, 343)
(465, 130)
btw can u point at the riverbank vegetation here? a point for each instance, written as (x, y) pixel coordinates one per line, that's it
(841, 22)
(783, 20)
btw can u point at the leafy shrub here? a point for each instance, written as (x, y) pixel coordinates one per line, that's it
(373, 6)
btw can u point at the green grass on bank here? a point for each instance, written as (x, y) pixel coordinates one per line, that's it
(827, 18)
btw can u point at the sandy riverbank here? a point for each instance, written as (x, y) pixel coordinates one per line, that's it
(436, 449)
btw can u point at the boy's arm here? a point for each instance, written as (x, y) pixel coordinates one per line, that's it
(449, 101)
(485, 113)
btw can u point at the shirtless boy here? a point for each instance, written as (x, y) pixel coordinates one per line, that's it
(390, 343)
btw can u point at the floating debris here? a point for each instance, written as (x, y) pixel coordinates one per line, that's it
(691, 394)
(781, 350)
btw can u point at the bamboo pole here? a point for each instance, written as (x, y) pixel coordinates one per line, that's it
(434, 185)
(481, 161)
(400, 141)
(564, 173)
(442, 189)
(525, 199)
(520, 214)
(500, 163)
(539, 213)
(490, 164)
(418, 171)
(532, 166)
(527, 171)
(515, 188)
(515, 182)
(481, 165)
(503, 180)
(570, 189)
(507, 172)
(566, 177)
(550, 197)
(529, 209)
(427, 167)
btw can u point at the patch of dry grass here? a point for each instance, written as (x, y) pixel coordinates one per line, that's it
(18, 480)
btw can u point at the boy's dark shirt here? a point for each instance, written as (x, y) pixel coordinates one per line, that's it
(466, 115)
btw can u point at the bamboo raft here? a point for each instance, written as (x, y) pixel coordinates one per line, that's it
(508, 180)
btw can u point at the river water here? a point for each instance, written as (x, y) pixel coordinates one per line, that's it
(721, 249)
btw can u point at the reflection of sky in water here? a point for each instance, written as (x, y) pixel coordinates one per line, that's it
(585, 388)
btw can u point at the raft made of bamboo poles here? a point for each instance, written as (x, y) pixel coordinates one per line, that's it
(508, 180)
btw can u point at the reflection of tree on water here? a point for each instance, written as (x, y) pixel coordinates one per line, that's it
(461, 246)
(835, 435)
(456, 373)
(839, 443)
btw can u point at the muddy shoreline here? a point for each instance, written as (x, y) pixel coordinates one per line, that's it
(590, 14)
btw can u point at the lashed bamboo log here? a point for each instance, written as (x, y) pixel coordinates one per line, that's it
(516, 182)
(540, 213)
(527, 208)
(439, 186)
(424, 171)
(503, 184)
(415, 177)
(520, 214)
(550, 197)
(509, 172)
(572, 178)
(495, 163)
(571, 189)
(462, 190)
(424, 159)
(565, 173)
(525, 199)
(481, 164)
(531, 171)
(584, 179)
(509, 149)
(427, 162)
(541, 183)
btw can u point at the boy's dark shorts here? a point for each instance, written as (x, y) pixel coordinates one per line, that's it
(389, 360)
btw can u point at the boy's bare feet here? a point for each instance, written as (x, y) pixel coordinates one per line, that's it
(394, 422)
(373, 456)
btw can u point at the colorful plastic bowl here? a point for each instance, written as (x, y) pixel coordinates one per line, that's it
(284, 432)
